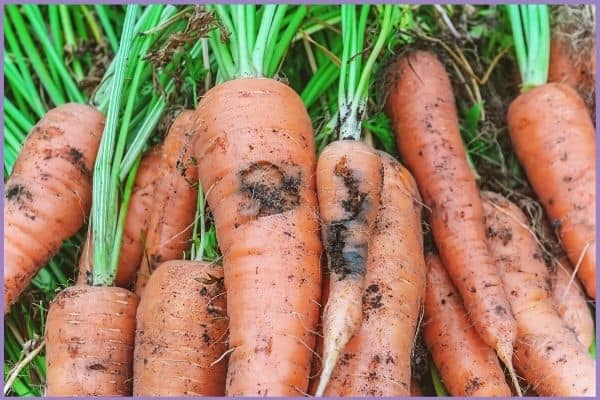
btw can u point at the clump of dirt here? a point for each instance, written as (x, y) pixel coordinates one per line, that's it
(101, 55)
(268, 189)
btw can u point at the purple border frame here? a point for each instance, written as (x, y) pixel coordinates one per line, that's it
(179, 2)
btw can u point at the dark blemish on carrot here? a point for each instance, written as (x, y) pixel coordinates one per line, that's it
(472, 385)
(17, 193)
(500, 310)
(203, 291)
(96, 367)
(372, 297)
(269, 190)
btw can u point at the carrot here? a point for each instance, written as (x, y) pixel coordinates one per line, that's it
(174, 203)
(258, 172)
(48, 195)
(136, 223)
(90, 335)
(259, 177)
(423, 113)
(562, 143)
(547, 354)
(467, 365)
(571, 301)
(181, 332)
(376, 361)
(349, 180)
(556, 149)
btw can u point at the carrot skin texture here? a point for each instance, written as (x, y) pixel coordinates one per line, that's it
(181, 330)
(423, 112)
(376, 361)
(571, 301)
(259, 177)
(136, 223)
(175, 197)
(349, 179)
(48, 195)
(90, 333)
(547, 354)
(467, 366)
(557, 150)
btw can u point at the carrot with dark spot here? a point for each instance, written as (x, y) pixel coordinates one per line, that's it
(424, 117)
(547, 354)
(48, 194)
(349, 181)
(377, 360)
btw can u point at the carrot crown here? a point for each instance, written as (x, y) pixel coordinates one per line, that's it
(531, 35)
(354, 75)
(252, 40)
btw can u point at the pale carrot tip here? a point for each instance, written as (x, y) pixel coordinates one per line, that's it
(505, 355)
(328, 365)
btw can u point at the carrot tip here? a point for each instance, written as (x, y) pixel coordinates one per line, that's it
(328, 366)
(505, 355)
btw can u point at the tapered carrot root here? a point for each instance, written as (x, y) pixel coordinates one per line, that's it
(376, 361)
(547, 353)
(136, 223)
(424, 117)
(90, 334)
(258, 170)
(48, 195)
(558, 152)
(181, 332)
(571, 301)
(175, 198)
(349, 180)
(467, 366)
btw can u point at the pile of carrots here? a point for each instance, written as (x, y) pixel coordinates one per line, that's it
(325, 280)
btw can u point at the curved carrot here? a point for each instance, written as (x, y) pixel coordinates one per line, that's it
(547, 353)
(90, 334)
(423, 112)
(571, 301)
(349, 178)
(174, 203)
(258, 172)
(181, 332)
(376, 361)
(467, 365)
(558, 152)
(136, 223)
(48, 195)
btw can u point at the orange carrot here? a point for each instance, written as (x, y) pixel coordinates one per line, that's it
(376, 361)
(349, 178)
(423, 112)
(558, 152)
(174, 203)
(258, 171)
(90, 334)
(571, 301)
(181, 332)
(547, 353)
(467, 366)
(48, 195)
(136, 223)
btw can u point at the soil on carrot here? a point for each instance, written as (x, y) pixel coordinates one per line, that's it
(269, 189)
